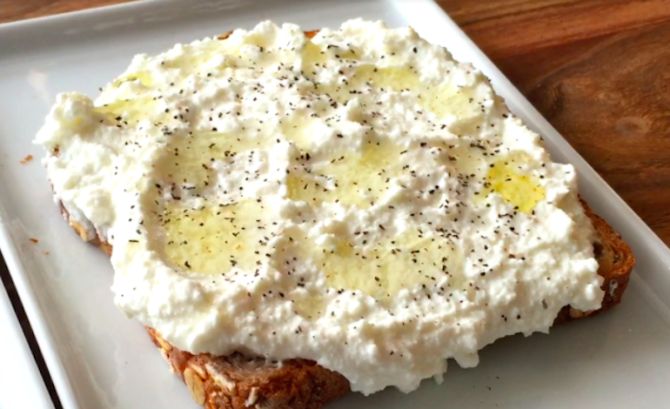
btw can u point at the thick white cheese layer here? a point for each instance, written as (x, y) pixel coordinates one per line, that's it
(359, 199)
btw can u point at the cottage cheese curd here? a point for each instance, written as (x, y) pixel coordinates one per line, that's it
(357, 198)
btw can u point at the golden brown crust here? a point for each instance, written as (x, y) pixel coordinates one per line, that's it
(237, 381)
(86, 234)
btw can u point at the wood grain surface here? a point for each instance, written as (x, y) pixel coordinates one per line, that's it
(599, 71)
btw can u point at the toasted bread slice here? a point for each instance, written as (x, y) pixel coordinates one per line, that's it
(237, 381)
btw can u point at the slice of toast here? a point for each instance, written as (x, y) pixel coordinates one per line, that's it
(237, 381)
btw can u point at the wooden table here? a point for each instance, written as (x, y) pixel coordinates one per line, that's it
(599, 71)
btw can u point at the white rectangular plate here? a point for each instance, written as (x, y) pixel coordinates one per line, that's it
(18, 363)
(99, 359)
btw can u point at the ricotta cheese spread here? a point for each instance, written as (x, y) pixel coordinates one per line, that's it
(357, 198)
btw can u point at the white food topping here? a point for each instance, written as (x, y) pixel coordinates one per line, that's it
(358, 199)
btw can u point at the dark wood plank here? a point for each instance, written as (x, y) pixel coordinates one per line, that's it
(596, 69)
(510, 27)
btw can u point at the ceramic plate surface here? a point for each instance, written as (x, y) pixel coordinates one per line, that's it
(99, 359)
(21, 385)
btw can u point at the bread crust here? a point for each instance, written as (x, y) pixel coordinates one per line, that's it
(237, 381)
(615, 264)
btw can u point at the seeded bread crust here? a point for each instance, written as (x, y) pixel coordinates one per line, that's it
(236, 381)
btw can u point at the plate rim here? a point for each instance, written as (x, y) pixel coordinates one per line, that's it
(21, 353)
(410, 9)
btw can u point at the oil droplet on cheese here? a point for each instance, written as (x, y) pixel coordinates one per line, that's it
(193, 58)
(257, 39)
(348, 177)
(131, 110)
(446, 100)
(518, 189)
(441, 99)
(201, 59)
(314, 57)
(300, 130)
(367, 75)
(396, 78)
(216, 238)
(143, 77)
(189, 159)
(77, 123)
(343, 53)
(461, 157)
(309, 305)
(383, 268)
